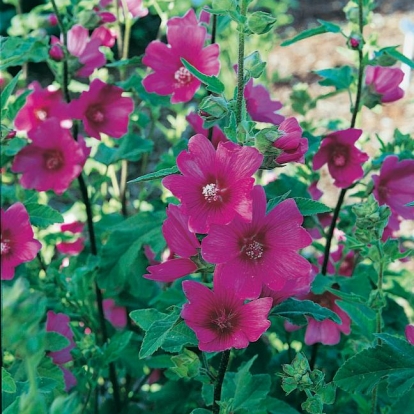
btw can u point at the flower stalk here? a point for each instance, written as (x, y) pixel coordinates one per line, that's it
(225, 357)
(240, 67)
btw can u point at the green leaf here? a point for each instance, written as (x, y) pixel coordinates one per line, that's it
(180, 335)
(271, 204)
(157, 334)
(275, 406)
(155, 175)
(305, 34)
(8, 384)
(114, 349)
(341, 78)
(392, 360)
(144, 318)
(55, 341)
(393, 52)
(136, 60)
(8, 90)
(308, 207)
(43, 216)
(361, 315)
(295, 311)
(213, 83)
(410, 204)
(12, 146)
(132, 147)
(330, 27)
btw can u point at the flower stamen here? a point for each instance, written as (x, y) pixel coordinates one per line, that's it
(182, 76)
(211, 192)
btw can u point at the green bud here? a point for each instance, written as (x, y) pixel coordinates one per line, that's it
(88, 19)
(260, 22)
(327, 393)
(264, 140)
(213, 108)
(376, 300)
(317, 377)
(313, 405)
(254, 64)
(225, 5)
(300, 363)
(288, 385)
(289, 369)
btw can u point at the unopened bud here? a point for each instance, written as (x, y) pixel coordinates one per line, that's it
(56, 52)
(213, 108)
(354, 42)
(260, 22)
(52, 19)
(11, 134)
(254, 64)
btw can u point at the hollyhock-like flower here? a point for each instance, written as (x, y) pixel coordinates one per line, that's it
(384, 81)
(260, 106)
(314, 191)
(216, 185)
(105, 35)
(41, 105)
(346, 268)
(135, 7)
(221, 320)
(343, 158)
(115, 314)
(73, 227)
(71, 248)
(52, 161)
(263, 252)
(85, 49)
(394, 186)
(185, 40)
(17, 242)
(291, 143)
(181, 242)
(103, 109)
(196, 123)
(409, 334)
(59, 322)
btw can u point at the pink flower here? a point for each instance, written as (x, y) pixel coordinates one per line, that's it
(409, 334)
(52, 19)
(384, 81)
(105, 35)
(136, 8)
(291, 143)
(73, 227)
(103, 109)
(41, 105)
(343, 158)
(71, 248)
(196, 123)
(52, 161)
(263, 252)
(85, 49)
(215, 186)
(56, 52)
(186, 40)
(394, 186)
(314, 191)
(181, 242)
(327, 332)
(347, 263)
(221, 320)
(260, 106)
(59, 322)
(17, 242)
(115, 314)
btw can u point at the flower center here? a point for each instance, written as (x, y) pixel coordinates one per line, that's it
(211, 192)
(95, 114)
(254, 250)
(339, 157)
(41, 114)
(53, 160)
(383, 192)
(183, 76)
(223, 320)
(5, 246)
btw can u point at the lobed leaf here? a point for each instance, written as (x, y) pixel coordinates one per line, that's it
(43, 216)
(308, 207)
(156, 175)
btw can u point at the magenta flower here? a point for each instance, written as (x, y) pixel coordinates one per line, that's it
(409, 334)
(105, 35)
(314, 191)
(17, 242)
(343, 158)
(196, 123)
(103, 109)
(115, 314)
(52, 161)
(394, 186)
(327, 332)
(85, 49)
(347, 263)
(185, 40)
(215, 186)
(293, 147)
(59, 322)
(71, 248)
(263, 252)
(73, 227)
(384, 81)
(41, 105)
(56, 52)
(260, 106)
(136, 8)
(221, 320)
(181, 242)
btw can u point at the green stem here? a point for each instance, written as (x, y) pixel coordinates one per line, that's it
(219, 381)
(240, 67)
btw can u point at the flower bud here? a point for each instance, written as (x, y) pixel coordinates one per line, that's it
(12, 133)
(260, 22)
(228, 5)
(354, 42)
(213, 108)
(56, 52)
(254, 64)
(52, 19)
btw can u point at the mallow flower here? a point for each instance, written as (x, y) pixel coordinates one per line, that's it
(221, 320)
(115, 314)
(18, 244)
(384, 81)
(343, 158)
(215, 185)
(394, 186)
(409, 334)
(51, 161)
(103, 109)
(185, 40)
(196, 123)
(263, 252)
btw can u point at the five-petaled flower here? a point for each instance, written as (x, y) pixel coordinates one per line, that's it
(103, 109)
(52, 161)
(343, 158)
(221, 320)
(17, 242)
(185, 40)
(216, 184)
(384, 81)
(263, 252)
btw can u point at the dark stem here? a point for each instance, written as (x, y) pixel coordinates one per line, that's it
(219, 381)
(240, 68)
(314, 355)
(213, 40)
